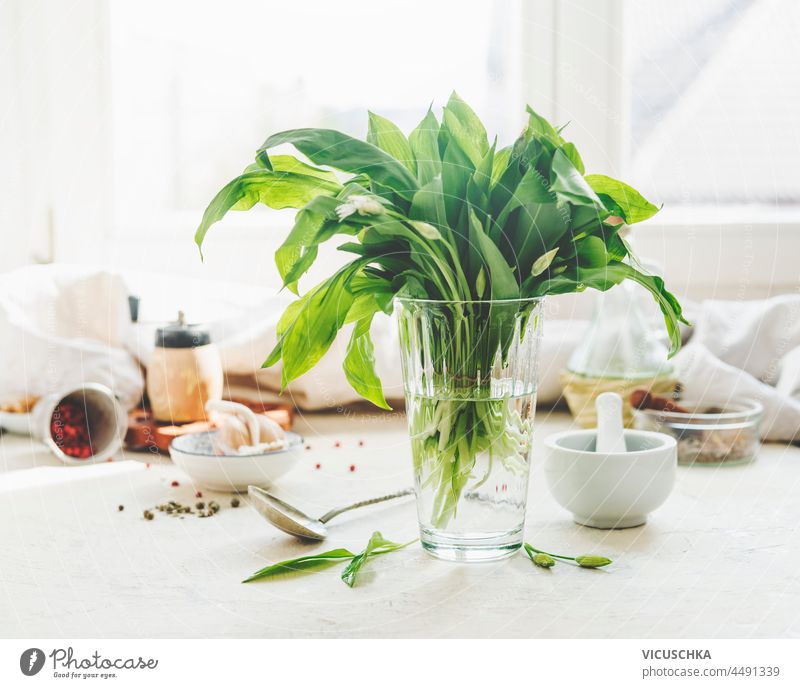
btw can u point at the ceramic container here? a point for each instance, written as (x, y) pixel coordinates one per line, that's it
(195, 455)
(615, 490)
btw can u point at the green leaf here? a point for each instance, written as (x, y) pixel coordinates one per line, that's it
(295, 256)
(571, 152)
(502, 159)
(316, 324)
(288, 163)
(307, 563)
(388, 137)
(540, 128)
(503, 283)
(425, 147)
(359, 364)
(456, 172)
(276, 189)
(634, 206)
(428, 204)
(567, 182)
(466, 129)
(343, 152)
(377, 545)
(592, 252)
(603, 278)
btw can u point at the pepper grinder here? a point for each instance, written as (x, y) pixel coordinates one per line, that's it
(185, 372)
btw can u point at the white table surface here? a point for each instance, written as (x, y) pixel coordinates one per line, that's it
(720, 559)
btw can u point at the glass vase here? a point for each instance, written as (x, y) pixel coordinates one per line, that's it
(470, 375)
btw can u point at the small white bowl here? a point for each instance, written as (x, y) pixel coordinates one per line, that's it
(610, 490)
(194, 454)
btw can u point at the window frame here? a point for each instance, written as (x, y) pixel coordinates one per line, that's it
(64, 86)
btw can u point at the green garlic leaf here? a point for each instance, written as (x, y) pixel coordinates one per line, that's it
(466, 129)
(307, 563)
(571, 152)
(377, 545)
(634, 206)
(503, 284)
(388, 137)
(317, 323)
(343, 152)
(275, 189)
(425, 147)
(359, 364)
(569, 184)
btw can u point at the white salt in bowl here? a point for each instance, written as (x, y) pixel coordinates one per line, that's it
(195, 455)
(614, 490)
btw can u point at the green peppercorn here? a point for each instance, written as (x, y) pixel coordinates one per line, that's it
(543, 560)
(200, 505)
(590, 561)
(121, 507)
(148, 515)
(235, 502)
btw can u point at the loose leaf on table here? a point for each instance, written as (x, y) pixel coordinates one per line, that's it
(308, 563)
(377, 545)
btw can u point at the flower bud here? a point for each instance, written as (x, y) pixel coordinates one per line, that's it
(427, 230)
(543, 560)
(366, 205)
(589, 561)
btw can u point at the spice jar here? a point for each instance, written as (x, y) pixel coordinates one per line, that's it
(185, 372)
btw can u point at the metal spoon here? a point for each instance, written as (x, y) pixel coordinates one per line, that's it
(295, 522)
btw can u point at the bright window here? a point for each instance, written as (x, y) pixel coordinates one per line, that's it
(714, 101)
(196, 87)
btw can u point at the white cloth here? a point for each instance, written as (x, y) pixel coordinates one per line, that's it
(747, 349)
(62, 325)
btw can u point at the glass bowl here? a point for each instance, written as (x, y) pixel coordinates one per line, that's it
(710, 435)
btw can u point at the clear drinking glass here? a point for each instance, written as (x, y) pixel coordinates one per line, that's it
(470, 375)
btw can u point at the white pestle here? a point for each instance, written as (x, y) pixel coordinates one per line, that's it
(610, 431)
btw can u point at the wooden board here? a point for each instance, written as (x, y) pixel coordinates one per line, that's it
(146, 434)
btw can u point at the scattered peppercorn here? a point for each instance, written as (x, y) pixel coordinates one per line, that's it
(148, 515)
(200, 506)
(308, 446)
(121, 507)
(69, 429)
(213, 507)
(352, 468)
(175, 483)
(337, 444)
(198, 494)
(360, 443)
(235, 502)
(318, 466)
